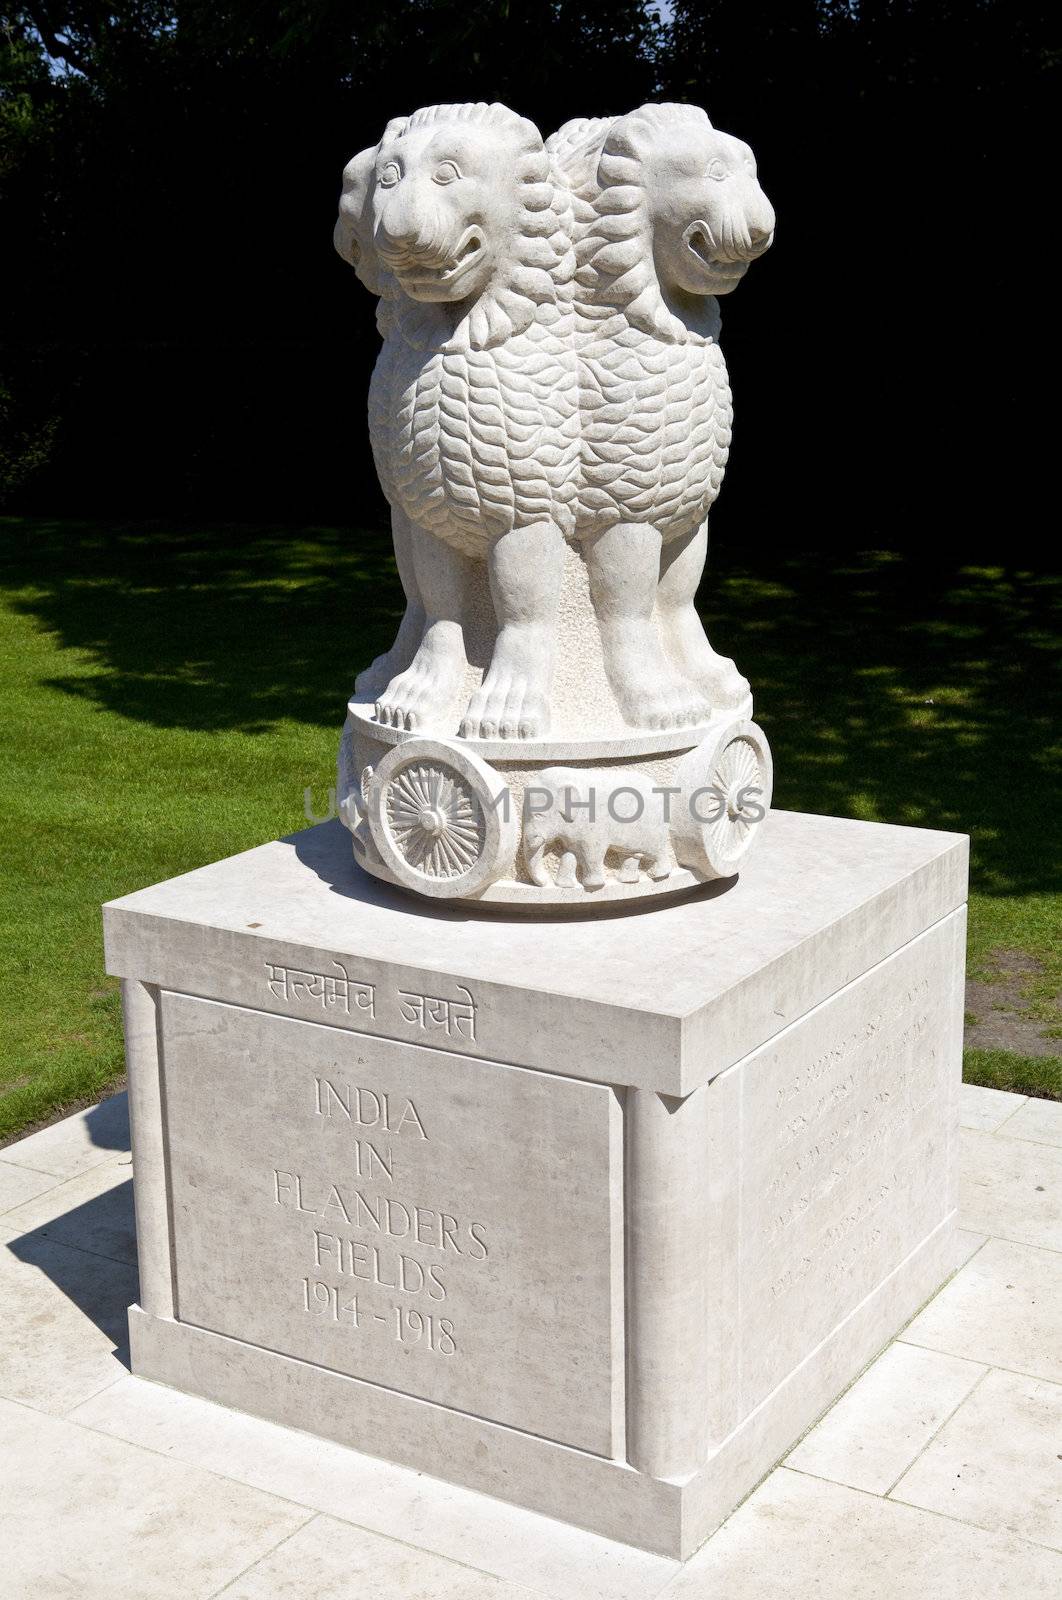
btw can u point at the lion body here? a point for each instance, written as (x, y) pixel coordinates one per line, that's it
(550, 362)
(583, 427)
(471, 443)
(654, 397)
(473, 405)
(655, 425)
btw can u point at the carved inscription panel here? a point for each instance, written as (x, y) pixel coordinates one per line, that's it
(444, 1226)
(846, 1162)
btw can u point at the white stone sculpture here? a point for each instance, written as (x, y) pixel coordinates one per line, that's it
(473, 405)
(550, 418)
(586, 814)
(669, 216)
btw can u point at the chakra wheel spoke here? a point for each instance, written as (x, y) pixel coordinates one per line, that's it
(434, 820)
(733, 761)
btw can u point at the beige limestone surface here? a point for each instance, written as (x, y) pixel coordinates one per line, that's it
(667, 999)
(425, 1221)
(422, 1183)
(995, 1462)
(117, 1489)
(888, 1415)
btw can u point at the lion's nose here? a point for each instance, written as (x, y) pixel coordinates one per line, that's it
(409, 234)
(394, 241)
(759, 225)
(401, 224)
(760, 239)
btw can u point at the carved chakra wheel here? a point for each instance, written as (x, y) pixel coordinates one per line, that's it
(441, 819)
(726, 785)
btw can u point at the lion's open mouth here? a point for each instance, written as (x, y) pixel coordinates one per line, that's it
(702, 246)
(425, 268)
(468, 250)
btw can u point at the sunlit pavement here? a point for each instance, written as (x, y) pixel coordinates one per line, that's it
(938, 1474)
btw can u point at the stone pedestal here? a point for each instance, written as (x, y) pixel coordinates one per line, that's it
(595, 1216)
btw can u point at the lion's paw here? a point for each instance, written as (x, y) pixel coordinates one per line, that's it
(690, 706)
(726, 687)
(422, 694)
(507, 705)
(650, 706)
(403, 704)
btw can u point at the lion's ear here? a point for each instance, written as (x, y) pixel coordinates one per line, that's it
(353, 231)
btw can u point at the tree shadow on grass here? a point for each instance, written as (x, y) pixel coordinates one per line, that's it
(216, 628)
(896, 687)
(905, 689)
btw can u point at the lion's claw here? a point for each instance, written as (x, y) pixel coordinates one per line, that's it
(507, 705)
(421, 694)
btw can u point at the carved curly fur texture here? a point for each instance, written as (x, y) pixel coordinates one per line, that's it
(654, 397)
(475, 426)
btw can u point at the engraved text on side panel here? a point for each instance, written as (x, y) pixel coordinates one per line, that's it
(419, 1219)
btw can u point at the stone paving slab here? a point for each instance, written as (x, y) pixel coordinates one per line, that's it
(1004, 1308)
(90, 1518)
(986, 1108)
(996, 1461)
(1011, 1188)
(333, 1561)
(937, 1473)
(1039, 1120)
(64, 1314)
(92, 1211)
(800, 1538)
(18, 1184)
(887, 1418)
(446, 1520)
(76, 1143)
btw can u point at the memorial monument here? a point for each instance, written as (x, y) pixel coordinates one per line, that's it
(595, 1213)
(550, 419)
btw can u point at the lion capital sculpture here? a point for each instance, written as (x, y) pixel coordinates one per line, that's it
(669, 215)
(551, 373)
(454, 220)
(550, 419)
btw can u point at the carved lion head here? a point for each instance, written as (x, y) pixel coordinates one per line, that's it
(669, 212)
(455, 207)
(353, 231)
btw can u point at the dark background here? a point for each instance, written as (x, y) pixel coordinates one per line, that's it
(179, 340)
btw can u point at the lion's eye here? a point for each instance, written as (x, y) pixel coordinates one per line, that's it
(390, 175)
(717, 170)
(446, 172)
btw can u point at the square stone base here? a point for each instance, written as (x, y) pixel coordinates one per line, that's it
(594, 1216)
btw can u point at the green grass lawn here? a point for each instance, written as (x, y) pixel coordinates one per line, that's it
(170, 693)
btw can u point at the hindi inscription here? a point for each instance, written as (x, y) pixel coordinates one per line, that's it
(431, 1015)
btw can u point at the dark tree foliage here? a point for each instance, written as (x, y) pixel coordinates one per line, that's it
(177, 336)
(890, 362)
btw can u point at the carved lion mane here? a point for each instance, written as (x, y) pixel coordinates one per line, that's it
(534, 253)
(603, 161)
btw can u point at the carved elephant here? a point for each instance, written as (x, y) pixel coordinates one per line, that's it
(589, 813)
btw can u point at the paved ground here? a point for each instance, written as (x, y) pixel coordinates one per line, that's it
(938, 1474)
